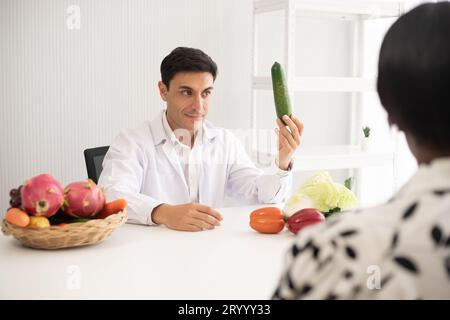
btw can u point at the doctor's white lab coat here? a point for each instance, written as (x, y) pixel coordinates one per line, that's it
(142, 166)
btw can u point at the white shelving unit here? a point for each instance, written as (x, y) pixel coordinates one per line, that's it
(333, 158)
(351, 156)
(320, 84)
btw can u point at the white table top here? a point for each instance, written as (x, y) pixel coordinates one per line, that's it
(151, 262)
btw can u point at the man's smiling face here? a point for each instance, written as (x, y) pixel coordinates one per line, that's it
(188, 98)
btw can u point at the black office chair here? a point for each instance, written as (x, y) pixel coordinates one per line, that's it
(94, 159)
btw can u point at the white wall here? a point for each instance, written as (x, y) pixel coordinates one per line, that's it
(62, 90)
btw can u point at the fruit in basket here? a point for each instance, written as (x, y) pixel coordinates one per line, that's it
(112, 207)
(267, 220)
(303, 218)
(15, 198)
(79, 220)
(59, 217)
(83, 199)
(39, 222)
(42, 195)
(17, 217)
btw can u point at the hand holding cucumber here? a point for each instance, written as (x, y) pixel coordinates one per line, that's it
(290, 128)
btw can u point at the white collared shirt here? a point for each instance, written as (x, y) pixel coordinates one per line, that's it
(186, 156)
(142, 166)
(399, 250)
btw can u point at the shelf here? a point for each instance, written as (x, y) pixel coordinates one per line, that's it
(331, 158)
(362, 9)
(291, 12)
(322, 84)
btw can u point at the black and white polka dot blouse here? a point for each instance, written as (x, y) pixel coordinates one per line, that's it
(400, 250)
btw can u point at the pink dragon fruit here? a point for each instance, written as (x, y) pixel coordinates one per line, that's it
(42, 195)
(83, 199)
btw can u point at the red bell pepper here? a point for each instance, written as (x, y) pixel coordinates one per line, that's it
(303, 218)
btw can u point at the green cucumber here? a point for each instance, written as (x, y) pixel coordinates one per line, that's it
(280, 92)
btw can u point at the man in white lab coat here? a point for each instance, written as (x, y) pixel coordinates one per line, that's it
(174, 169)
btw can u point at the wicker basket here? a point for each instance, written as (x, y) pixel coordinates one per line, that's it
(70, 235)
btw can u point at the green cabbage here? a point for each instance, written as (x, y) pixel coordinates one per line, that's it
(324, 195)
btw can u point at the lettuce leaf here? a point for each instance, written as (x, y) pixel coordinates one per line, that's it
(322, 193)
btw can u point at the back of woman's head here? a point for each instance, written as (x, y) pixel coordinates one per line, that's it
(414, 74)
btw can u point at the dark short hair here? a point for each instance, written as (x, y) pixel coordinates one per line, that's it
(414, 74)
(183, 59)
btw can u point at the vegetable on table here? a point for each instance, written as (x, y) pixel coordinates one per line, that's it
(280, 92)
(267, 220)
(303, 218)
(348, 183)
(321, 193)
